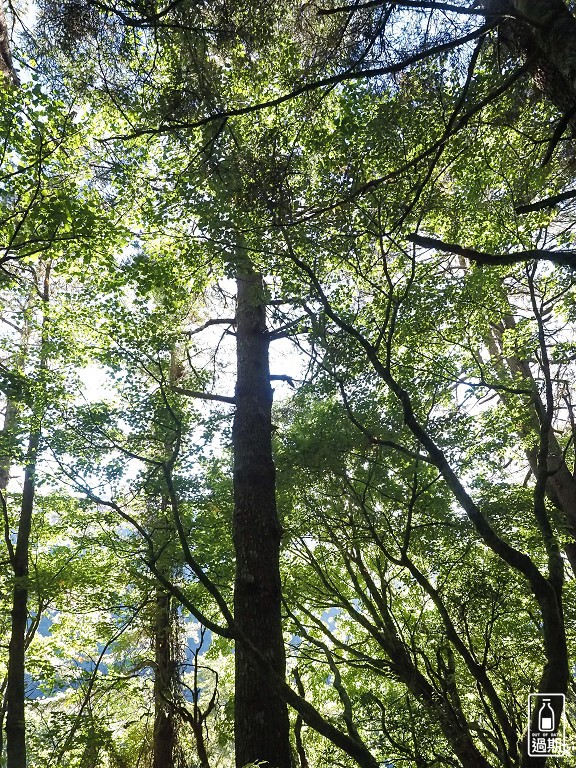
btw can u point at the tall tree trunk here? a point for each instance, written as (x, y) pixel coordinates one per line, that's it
(6, 65)
(15, 689)
(166, 680)
(15, 692)
(165, 726)
(9, 443)
(7, 435)
(8, 432)
(261, 723)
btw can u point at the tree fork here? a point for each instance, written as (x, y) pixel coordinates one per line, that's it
(261, 716)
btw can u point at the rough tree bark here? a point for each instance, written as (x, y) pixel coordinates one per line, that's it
(165, 625)
(261, 717)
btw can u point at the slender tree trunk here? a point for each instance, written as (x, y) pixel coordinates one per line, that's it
(165, 729)
(203, 760)
(298, 725)
(15, 688)
(261, 717)
(166, 682)
(15, 691)
(198, 717)
(9, 440)
(6, 65)
(8, 432)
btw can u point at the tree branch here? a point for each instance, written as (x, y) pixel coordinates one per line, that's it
(208, 323)
(203, 395)
(283, 377)
(428, 6)
(547, 202)
(349, 74)
(564, 258)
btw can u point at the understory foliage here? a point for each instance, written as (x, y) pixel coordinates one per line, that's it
(400, 175)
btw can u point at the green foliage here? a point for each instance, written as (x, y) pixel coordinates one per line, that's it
(122, 175)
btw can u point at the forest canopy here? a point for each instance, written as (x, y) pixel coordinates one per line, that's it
(287, 368)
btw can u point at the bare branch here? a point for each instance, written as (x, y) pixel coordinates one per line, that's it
(547, 202)
(208, 323)
(203, 395)
(472, 10)
(283, 377)
(564, 258)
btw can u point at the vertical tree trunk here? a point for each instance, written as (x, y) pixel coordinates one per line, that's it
(166, 680)
(15, 689)
(165, 731)
(8, 432)
(9, 443)
(261, 717)
(198, 717)
(298, 725)
(6, 65)
(203, 761)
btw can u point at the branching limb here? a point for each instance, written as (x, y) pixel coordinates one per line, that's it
(377, 440)
(91, 681)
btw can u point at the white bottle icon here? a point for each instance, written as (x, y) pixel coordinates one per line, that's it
(546, 717)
